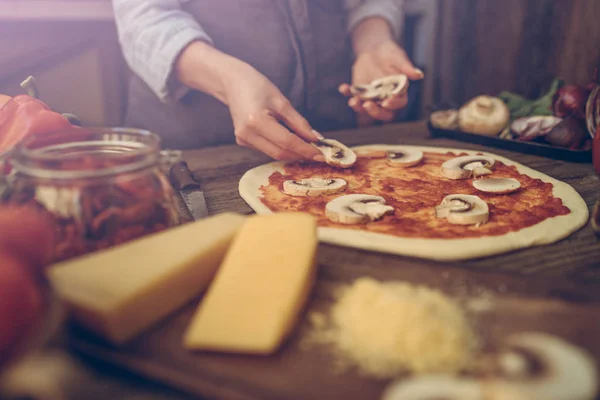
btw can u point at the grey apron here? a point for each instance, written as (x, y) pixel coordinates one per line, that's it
(302, 46)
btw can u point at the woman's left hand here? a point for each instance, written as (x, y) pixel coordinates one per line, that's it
(384, 59)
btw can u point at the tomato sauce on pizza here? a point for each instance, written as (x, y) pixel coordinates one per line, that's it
(414, 192)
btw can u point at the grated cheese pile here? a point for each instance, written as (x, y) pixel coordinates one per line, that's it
(387, 329)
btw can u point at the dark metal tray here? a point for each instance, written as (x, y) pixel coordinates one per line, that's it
(539, 149)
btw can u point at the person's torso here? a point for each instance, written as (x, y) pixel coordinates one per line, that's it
(300, 45)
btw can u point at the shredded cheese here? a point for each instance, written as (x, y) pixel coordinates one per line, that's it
(387, 329)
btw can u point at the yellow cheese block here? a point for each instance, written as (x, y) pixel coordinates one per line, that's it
(261, 287)
(121, 291)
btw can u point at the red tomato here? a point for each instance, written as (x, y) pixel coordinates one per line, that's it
(21, 304)
(28, 234)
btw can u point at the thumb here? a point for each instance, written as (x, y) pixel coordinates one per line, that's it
(406, 67)
(296, 122)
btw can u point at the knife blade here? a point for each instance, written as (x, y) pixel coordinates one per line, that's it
(190, 190)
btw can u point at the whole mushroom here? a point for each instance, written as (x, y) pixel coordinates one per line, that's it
(484, 115)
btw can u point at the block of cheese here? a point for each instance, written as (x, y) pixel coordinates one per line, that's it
(260, 289)
(121, 291)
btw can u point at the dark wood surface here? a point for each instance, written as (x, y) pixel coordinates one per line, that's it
(487, 46)
(553, 288)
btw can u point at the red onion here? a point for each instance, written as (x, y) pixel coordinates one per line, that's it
(570, 133)
(570, 100)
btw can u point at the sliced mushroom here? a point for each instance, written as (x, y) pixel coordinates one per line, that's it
(434, 387)
(484, 115)
(404, 158)
(357, 209)
(314, 187)
(447, 119)
(550, 369)
(463, 209)
(336, 153)
(534, 366)
(497, 185)
(381, 89)
(468, 166)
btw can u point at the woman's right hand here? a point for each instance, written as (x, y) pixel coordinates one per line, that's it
(256, 105)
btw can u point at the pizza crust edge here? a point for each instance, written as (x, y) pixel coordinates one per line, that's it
(548, 231)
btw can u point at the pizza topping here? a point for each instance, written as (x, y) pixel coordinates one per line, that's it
(357, 209)
(447, 119)
(533, 366)
(484, 115)
(497, 185)
(463, 209)
(468, 166)
(314, 187)
(335, 153)
(405, 158)
(381, 89)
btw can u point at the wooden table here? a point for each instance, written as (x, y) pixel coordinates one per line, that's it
(575, 260)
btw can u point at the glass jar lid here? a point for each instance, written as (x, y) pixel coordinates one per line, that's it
(88, 153)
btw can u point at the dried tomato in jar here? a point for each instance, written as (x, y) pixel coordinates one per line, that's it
(593, 117)
(102, 186)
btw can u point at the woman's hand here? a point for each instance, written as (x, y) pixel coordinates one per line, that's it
(257, 106)
(377, 56)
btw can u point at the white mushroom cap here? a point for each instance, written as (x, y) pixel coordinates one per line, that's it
(357, 209)
(497, 185)
(434, 387)
(382, 88)
(467, 166)
(405, 158)
(463, 209)
(484, 115)
(335, 153)
(559, 371)
(314, 187)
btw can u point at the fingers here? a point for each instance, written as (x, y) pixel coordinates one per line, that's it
(267, 135)
(403, 64)
(377, 112)
(356, 104)
(281, 137)
(261, 144)
(395, 103)
(297, 123)
(344, 89)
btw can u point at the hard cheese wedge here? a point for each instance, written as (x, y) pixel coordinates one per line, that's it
(261, 287)
(120, 292)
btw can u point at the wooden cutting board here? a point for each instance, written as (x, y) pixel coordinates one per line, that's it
(519, 303)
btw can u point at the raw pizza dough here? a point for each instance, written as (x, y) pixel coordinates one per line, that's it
(548, 231)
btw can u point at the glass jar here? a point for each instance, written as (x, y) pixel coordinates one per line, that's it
(592, 112)
(103, 186)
